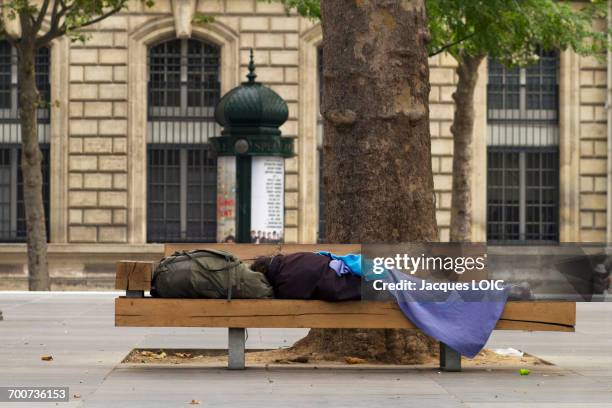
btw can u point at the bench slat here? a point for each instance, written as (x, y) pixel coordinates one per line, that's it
(251, 251)
(277, 313)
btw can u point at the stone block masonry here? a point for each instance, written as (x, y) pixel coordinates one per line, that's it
(98, 134)
(593, 151)
(97, 164)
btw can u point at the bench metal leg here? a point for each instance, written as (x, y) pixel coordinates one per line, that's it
(235, 349)
(450, 360)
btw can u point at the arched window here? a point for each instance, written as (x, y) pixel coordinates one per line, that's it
(12, 209)
(183, 90)
(523, 151)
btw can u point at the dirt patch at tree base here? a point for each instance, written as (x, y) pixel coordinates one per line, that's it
(288, 356)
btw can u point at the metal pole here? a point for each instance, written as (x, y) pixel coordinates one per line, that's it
(450, 360)
(243, 199)
(235, 349)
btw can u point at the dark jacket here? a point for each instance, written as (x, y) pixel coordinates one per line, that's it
(306, 275)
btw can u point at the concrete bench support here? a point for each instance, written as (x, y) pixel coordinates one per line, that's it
(235, 348)
(450, 360)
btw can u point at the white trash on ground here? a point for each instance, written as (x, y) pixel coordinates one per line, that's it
(511, 352)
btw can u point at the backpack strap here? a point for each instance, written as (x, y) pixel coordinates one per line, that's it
(232, 261)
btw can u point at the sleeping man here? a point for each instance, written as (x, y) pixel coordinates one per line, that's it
(307, 275)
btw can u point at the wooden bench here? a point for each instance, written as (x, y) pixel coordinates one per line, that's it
(137, 310)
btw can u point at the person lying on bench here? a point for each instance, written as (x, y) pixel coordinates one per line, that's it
(307, 275)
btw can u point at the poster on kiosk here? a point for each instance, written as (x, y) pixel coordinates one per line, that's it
(267, 199)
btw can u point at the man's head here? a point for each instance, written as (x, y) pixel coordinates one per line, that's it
(261, 264)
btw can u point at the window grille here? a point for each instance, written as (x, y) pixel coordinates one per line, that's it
(182, 194)
(184, 89)
(12, 208)
(182, 171)
(10, 130)
(523, 152)
(321, 234)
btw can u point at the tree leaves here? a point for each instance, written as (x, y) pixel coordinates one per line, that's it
(65, 17)
(507, 30)
(512, 30)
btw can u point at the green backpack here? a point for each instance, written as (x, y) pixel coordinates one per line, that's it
(210, 274)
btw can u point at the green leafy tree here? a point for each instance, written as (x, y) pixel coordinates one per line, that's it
(374, 193)
(28, 26)
(509, 31)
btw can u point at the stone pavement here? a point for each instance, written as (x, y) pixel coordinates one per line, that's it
(77, 330)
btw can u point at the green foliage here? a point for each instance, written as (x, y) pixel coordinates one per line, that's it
(511, 30)
(64, 17)
(202, 19)
(507, 30)
(306, 8)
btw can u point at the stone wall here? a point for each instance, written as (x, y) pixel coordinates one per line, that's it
(443, 80)
(593, 151)
(100, 200)
(98, 108)
(97, 133)
(99, 125)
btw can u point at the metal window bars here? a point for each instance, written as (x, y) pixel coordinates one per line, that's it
(523, 153)
(183, 91)
(12, 208)
(10, 130)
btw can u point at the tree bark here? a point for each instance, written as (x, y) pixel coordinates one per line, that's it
(31, 158)
(462, 130)
(377, 176)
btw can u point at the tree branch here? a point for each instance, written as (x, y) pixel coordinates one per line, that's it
(101, 17)
(60, 9)
(57, 31)
(41, 15)
(449, 45)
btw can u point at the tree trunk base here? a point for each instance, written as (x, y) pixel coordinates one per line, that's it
(380, 346)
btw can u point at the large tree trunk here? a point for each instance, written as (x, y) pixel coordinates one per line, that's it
(31, 158)
(378, 178)
(462, 130)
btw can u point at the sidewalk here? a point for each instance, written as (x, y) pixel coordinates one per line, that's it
(77, 329)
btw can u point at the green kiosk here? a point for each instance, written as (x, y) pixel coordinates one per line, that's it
(251, 169)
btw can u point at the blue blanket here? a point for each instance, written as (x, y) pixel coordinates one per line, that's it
(464, 321)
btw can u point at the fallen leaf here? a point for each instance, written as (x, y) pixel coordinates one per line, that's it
(524, 371)
(76, 396)
(354, 360)
(47, 358)
(195, 402)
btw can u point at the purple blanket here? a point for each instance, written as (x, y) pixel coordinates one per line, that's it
(463, 321)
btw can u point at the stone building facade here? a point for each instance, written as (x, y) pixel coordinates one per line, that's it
(100, 128)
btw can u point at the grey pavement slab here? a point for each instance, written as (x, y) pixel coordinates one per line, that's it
(77, 329)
